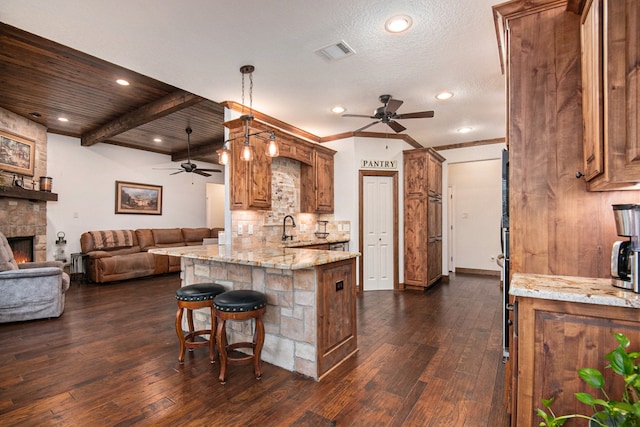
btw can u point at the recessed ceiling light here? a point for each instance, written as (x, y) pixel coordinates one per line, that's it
(63, 119)
(157, 140)
(338, 109)
(465, 129)
(444, 95)
(122, 82)
(398, 24)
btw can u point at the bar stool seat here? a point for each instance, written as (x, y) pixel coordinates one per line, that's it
(239, 305)
(191, 298)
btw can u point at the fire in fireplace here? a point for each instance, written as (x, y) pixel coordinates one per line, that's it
(22, 248)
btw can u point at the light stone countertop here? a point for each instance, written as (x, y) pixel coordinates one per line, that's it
(299, 243)
(273, 256)
(574, 289)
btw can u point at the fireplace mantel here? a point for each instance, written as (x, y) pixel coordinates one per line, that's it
(21, 193)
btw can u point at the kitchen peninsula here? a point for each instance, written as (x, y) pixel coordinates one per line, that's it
(310, 322)
(563, 323)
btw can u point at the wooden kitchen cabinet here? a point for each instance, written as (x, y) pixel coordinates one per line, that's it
(316, 182)
(250, 182)
(554, 340)
(422, 217)
(336, 305)
(610, 53)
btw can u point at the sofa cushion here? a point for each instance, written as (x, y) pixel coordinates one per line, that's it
(112, 239)
(145, 238)
(163, 237)
(194, 236)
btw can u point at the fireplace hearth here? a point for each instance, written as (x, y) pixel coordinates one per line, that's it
(22, 248)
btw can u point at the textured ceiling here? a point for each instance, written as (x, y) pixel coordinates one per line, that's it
(199, 46)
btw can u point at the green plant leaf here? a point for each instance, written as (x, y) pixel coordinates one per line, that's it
(586, 398)
(622, 339)
(592, 377)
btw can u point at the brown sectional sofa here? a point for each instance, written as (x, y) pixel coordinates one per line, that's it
(112, 255)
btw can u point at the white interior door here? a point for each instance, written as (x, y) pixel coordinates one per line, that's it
(378, 232)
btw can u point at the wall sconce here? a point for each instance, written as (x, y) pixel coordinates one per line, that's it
(247, 151)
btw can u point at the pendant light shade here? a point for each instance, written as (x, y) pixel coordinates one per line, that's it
(272, 147)
(223, 155)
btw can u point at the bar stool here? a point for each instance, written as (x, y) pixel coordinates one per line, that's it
(239, 305)
(190, 298)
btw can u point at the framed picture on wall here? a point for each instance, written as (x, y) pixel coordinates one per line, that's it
(17, 154)
(133, 198)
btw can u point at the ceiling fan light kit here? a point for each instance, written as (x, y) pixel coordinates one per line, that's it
(247, 151)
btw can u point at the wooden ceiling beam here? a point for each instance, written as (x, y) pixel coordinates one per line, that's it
(171, 103)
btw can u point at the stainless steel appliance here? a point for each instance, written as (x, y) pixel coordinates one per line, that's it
(624, 253)
(341, 246)
(505, 258)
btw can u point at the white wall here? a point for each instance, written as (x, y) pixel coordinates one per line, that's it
(84, 179)
(475, 173)
(347, 165)
(215, 205)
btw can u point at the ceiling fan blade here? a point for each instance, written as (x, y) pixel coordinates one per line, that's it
(176, 172)
(418, 115)
(364, 127)
(358, 115)
(396, 126)
(392, 106)
(199, 172)
(210, 170)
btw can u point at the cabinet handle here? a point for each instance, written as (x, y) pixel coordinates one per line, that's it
(579, 174)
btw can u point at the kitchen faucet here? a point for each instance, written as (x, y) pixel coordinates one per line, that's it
(284, 227)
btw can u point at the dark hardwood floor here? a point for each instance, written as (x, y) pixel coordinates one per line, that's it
(425, 359)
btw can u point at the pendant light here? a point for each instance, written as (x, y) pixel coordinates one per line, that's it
(247, 150)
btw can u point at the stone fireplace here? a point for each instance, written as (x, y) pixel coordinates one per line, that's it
(24, 217)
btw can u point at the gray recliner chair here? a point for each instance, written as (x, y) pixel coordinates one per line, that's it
(30, 290)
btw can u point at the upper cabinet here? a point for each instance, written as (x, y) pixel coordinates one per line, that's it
(250, 180)
(610, 42)
(316, 182)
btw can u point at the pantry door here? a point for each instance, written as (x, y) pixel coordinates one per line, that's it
(379, 247)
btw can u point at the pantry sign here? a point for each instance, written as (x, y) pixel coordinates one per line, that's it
(378, 164)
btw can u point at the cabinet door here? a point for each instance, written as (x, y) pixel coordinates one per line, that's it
(324, 182)
(620, 21)
(316, 184)
(415, 173)
(250, 186)
(337, 337)
(435, 176)
(592, 101)
(434, 260)
(415, 241)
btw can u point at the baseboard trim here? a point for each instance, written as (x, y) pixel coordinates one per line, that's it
(478, 271)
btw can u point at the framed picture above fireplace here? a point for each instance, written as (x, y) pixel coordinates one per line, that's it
(17, 154)
(133, 198)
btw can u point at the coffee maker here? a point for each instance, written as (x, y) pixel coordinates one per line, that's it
(625, 253)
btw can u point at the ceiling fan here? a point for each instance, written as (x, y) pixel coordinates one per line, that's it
(192, 167)
(387, 114)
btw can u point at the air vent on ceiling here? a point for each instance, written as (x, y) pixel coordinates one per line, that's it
(335, 51)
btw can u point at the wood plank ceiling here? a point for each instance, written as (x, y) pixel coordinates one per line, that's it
(43, 80)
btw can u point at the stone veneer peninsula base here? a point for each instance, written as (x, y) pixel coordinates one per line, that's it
(310, 322)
